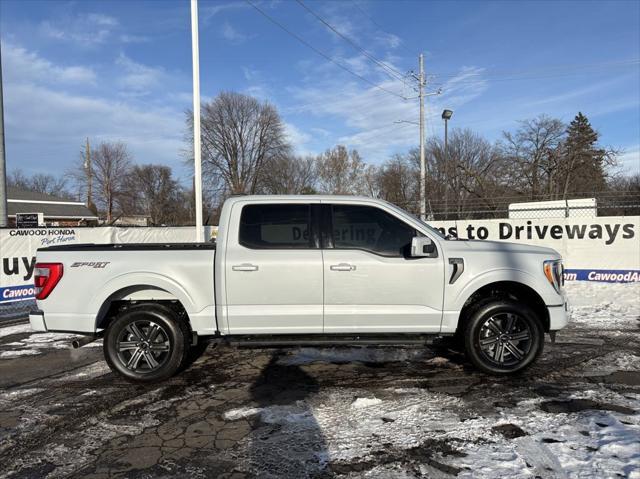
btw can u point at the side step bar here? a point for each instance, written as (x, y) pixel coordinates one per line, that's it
(284, 341)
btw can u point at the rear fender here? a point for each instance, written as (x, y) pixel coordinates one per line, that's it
(140, 286)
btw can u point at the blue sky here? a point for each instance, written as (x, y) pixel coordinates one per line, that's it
(121, 70)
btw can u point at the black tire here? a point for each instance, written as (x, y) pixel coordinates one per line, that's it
(146, 343)
(503, 337)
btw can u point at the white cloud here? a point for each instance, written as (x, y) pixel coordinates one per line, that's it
(297, 138)
(629, 161)
(102, 20)
(126, 38)
(137, 77)
(370, 114)
(154, 135)
(229, 33)
(250, 74)
(389, 40)
(85, 30)
(24, 65)
(45, 126)
(209, 12)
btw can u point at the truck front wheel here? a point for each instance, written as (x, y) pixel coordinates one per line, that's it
(503, 337)
(146, 343)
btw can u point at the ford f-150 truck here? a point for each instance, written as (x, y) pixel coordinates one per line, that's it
(303, 270)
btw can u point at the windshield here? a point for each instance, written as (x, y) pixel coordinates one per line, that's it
(434, 230)
(431, 229)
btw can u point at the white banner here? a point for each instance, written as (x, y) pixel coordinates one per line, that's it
(18, 248)
(594, 249)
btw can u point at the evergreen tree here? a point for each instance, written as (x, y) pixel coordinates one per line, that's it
(584, 165)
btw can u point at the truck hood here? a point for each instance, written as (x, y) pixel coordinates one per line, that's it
(501, 247)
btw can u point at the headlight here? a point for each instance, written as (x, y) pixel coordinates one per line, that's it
(554, 271)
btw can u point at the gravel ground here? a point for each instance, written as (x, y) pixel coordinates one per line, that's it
(339, 412)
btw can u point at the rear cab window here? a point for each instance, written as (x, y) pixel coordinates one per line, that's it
(276, 226)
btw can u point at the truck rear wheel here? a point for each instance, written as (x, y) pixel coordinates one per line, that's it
(503, 337)
(146, 343)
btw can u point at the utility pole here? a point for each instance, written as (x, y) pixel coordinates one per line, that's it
(423, 167)
(89, 171)
(4, 214)
(197, 154)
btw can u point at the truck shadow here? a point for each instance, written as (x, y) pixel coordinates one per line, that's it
(286, 440)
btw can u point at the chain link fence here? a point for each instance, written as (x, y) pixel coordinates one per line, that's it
(503, 208)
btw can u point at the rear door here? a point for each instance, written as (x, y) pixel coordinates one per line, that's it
(273, 269)
(371, 283)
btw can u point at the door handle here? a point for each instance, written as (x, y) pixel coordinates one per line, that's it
(244, 267)
(342, 267)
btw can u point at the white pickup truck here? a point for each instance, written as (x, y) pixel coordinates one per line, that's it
(303, 270)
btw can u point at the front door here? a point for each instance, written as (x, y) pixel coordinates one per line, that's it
(273, 270)
(371, 283)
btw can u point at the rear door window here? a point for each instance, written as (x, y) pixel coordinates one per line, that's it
(276, 226)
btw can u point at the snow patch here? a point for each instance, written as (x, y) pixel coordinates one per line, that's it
(608, 364)
(241, 413)
(17, 329)
(604, 305)
(18, 353)
(19, 393)
(365, 402)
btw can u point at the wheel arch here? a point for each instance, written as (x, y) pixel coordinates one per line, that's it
(132, 289)
(518, 291)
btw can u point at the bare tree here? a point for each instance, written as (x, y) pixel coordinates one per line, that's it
(398, 182)
(288, 175)
(152, 191)
(534, 151)
(341, 172)
(110, 165)
(239, 135)
(40, 183)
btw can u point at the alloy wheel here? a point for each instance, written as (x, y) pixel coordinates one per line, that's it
(505, 339)
(143, 346)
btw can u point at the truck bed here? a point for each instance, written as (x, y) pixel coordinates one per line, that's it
(94, 275)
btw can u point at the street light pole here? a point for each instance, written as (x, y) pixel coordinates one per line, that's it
(423, 168)
(446, 116)
(197, 154)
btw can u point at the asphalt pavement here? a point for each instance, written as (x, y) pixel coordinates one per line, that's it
(339, 412)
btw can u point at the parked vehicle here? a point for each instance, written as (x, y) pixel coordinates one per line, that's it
(303, 270)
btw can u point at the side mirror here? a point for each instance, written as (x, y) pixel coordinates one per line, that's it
(423, 247)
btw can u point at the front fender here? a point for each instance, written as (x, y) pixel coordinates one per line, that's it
(456, 301)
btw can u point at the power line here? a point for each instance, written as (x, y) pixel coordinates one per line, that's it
(392, 72)
(343, 101)
(379, 27)
(321, 53)
(371, 130)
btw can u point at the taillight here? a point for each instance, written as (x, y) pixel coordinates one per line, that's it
(46, 278)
